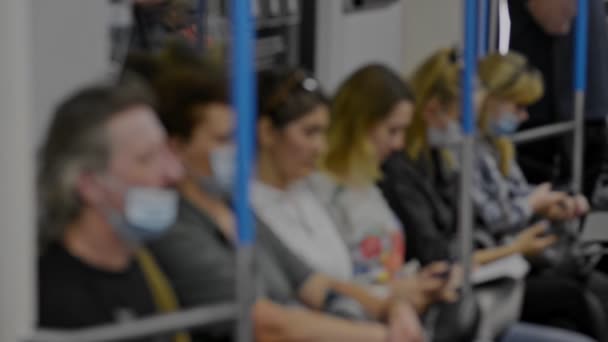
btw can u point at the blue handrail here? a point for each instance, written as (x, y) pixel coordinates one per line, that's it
(244, 101)
(580, 85)
(470, 67)
(580, 46)
(244, 97)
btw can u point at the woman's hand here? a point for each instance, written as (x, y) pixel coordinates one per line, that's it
(404, 324)
(543, 198)
(533, 241)
(582, 205)
(436, 282)
(568, 209)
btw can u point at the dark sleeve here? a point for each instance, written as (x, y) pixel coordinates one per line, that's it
(202, 271)
(424, 239)
(296, 270)
(200, 267)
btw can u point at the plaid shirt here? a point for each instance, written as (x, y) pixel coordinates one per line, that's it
(501, 202)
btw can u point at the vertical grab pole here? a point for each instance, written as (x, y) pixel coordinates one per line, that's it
(468, 126)
(580, 84)
(493, 26)
(244, 101)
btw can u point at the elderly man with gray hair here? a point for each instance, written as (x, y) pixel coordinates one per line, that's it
(105, 185)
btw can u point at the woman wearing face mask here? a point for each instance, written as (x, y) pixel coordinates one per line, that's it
(504, 200)
(370, 113)
(420, 185)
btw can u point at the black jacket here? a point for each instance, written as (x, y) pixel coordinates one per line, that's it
(424, 201)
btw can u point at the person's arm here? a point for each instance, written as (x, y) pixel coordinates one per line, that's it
(312, 287)
(414, 208)
(489, 255)
(530, 242)
(314, 291)
(569, 208)
(199, 266)
(418, 291)
(500, 214)
(275, 323)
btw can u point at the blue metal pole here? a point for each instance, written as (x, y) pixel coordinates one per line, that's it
(580, 86)
(244, 102)
(470, 67)
(468, 127)
(580, 46)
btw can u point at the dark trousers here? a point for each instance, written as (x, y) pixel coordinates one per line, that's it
(556, 301)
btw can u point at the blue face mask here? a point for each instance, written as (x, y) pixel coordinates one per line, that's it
(148, 214)
(444, 138)
(223, 168)
(506, 124)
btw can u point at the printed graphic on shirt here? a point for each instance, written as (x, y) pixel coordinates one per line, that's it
(378, 254)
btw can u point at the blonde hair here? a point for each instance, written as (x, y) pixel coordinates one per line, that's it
(436, 78)
(366, 98)
(509, 78)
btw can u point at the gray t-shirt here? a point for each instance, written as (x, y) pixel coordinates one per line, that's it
(201, 262)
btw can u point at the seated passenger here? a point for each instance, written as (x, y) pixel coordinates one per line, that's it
(105, 184)
(504, 200)
(420, 186)
(198, 253)
(293, 119)
(420, 182)
(370, 113)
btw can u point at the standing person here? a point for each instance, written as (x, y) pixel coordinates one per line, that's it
(542, 31)
(106, 186)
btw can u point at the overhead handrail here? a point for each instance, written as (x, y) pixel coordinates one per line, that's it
(146, 327)
(543, 132)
